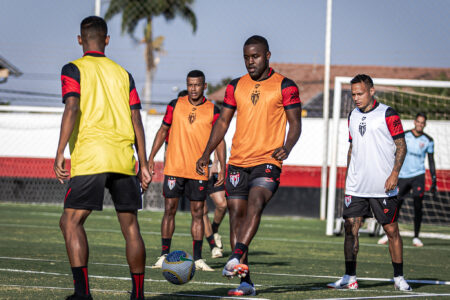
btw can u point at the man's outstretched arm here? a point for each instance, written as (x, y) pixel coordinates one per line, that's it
(217, 134)
(70, 115)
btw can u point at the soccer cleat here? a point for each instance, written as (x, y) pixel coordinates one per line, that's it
(234, 268)
(417, 242)
(218, 240)
(346, 282)
(78, 297)
(383, 241)
(159, 262)
(216, 252)
(401, 284)
(244, 289)
(200, 264)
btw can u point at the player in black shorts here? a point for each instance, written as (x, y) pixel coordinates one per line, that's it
(101, 155)
(216, 190)
(375, 156)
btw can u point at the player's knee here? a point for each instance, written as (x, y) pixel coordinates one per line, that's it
(170, 210)
(348, 227)
(391, 231)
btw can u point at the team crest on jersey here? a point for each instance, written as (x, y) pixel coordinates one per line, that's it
(192, 116)
(234, 179)
(348, 200)
(362, 126)
(171, 182)
(255, 94)
(421, 145)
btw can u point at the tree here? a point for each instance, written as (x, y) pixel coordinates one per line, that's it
(134, 11)
(215, 87)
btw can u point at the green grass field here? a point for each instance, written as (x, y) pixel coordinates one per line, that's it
(290, 258)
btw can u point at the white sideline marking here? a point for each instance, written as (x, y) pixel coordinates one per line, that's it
(256, 238)
(434, 282)
(431, 282)
(112, 277)
(126, 292)
(412, 295)
(431, 235)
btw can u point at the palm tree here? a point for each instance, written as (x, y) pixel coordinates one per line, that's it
(133, 11)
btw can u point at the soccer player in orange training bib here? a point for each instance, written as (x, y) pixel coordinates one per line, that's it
(190, 120)
(101, 122)
(265, 101)
(375, 156)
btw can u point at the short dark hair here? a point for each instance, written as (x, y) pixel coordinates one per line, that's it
(257, 39)
(93, 28)
(363, 78)
(182, 93)
(196, 74)
(421, 114)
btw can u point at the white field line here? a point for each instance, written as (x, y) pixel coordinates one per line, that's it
(431, 282)
(434, 282)
(408, 295)
(111, 277)
(126, 292)
(256, 238)
(405, 233)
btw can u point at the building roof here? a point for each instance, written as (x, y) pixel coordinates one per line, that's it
(4, 64)
(309, 77)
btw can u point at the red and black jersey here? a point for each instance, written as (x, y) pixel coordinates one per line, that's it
(261, 118)
(70, 81)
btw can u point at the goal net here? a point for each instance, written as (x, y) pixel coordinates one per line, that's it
(407, 97)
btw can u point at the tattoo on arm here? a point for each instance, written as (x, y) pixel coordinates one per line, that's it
(400, 154)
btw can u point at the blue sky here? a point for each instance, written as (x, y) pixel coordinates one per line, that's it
(39, 37)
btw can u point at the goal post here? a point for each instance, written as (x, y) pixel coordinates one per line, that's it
(393, 86)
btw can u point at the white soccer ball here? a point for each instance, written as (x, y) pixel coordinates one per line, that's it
(178, 267)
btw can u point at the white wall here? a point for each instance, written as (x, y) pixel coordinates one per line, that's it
(36, 135)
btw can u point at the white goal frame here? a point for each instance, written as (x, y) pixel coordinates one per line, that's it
(338, 82)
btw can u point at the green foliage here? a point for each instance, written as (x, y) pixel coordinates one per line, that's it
(133, 11)
(215, 87)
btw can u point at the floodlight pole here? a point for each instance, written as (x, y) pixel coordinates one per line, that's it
(326, 111)
(98, 6)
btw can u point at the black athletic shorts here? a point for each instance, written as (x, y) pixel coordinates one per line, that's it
(211, 184)
(239, 180)
(86, 191)
(385, 210)
(194, 190)
(416, 184)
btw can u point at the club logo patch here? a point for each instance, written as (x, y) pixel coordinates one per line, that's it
(255, 94)
(348, 200)
(192, 116)
(386, 210)
(171, 183)
(234, 179)
(362, 126)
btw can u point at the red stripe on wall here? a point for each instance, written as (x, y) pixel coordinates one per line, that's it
(292, 176)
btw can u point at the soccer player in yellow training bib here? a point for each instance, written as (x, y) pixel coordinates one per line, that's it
(101, 123)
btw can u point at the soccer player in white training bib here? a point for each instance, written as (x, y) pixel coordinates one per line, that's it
(375, 157)
(412, 174)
